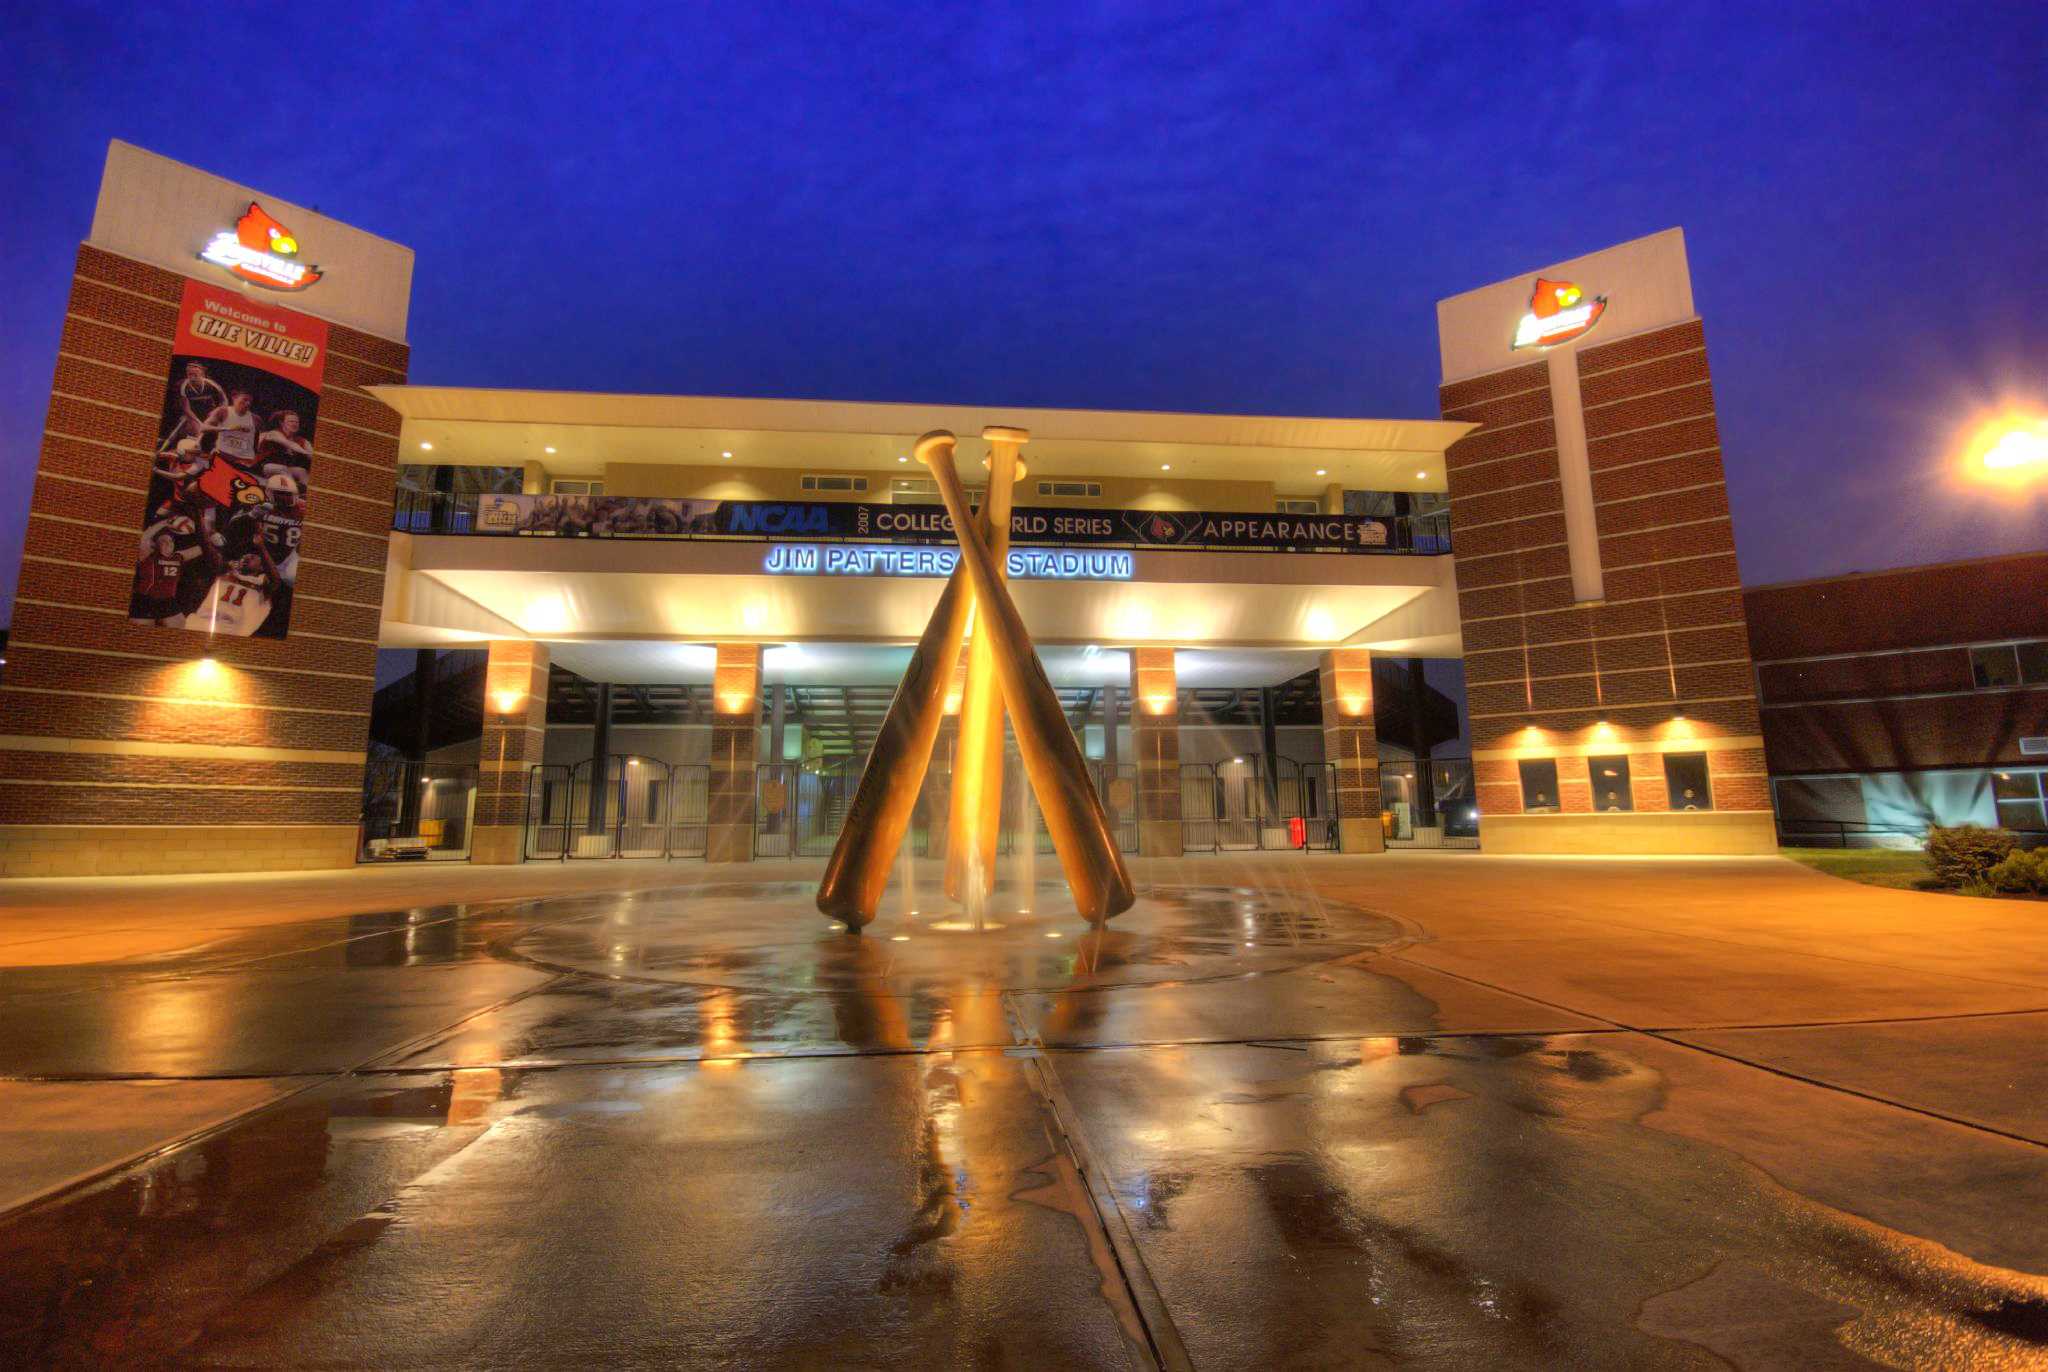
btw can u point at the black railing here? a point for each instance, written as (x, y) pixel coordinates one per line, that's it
(433, 512)
(1843, 833)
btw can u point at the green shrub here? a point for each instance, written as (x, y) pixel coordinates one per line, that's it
(1962, 856)
(2020, 873)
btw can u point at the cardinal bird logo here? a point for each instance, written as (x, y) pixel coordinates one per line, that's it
(261, 251)
(1558, 312)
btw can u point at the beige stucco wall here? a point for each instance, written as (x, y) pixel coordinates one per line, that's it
(786, 483)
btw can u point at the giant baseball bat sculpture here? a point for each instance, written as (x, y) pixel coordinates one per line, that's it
(977, 810)
(1059, 776)
(882, 805)
(887, 794)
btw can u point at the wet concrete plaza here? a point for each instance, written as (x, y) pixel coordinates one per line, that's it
(1434, 1110)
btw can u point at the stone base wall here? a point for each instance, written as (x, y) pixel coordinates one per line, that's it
(1723, 833)
(102, 850)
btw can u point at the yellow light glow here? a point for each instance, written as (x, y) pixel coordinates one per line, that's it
(735, 704)
(2018, 448)
(953, 703)
(1354, 706)
(508, 702)
(2010, 450)
(1158, 704)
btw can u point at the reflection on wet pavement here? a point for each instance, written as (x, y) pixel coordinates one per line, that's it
(697, 1127)
(662, 1216)
(755, 936)
(1492, 1202)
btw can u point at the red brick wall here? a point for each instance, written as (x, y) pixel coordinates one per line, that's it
(110, 723)
(1871, 672)
(1670, 634)
(1950, 603)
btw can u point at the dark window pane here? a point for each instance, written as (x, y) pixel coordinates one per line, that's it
(1686, 776)
(2011, 785)
(1998, 666)
(2034, 663)
(2022, 814)
(1610, 783)
(1539, 786)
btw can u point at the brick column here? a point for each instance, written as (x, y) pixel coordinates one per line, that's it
(1351, 748)
(515, 730)
(1155, 744)
(735, 743)
(126, 748)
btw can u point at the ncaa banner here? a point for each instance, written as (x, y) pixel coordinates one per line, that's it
(219, 551)
(634, 516)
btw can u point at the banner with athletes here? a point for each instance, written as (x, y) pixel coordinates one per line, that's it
(219, 551)
(635, 516)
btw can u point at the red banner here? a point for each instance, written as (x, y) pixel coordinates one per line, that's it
(219, 551)
(232, 328)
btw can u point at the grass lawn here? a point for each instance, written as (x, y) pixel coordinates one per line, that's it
(1901, 867)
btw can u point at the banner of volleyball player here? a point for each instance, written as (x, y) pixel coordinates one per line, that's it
(219, 551)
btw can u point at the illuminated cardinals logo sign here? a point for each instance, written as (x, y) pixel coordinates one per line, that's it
(262, 252)
(1558, 312)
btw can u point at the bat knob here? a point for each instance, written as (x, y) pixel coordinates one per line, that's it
(928, 444)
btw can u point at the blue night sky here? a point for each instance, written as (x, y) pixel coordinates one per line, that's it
(1217, 208)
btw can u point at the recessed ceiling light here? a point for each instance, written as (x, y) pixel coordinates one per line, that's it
(1322, 471)
(725, 454)
(1422, 476)
(1166, 466)
(426, 447)
(547, 450)
(903, 459)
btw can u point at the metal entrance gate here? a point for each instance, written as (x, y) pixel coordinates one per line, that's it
(548, 817)
(651, 809)
(799, 811)
(1318, 807)
(1117, 788)
(1232, 807)
(689, 814)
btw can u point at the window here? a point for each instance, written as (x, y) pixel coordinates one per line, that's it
(657, 797)
(1685, 775)
(2034, 663)
(2020, 800)
(577, 487)
(1080, 489)
(553, 810)
(836, 483)
(1539, 786)
(922, 490)
(1298, 507)
(1610, 783)
(1994, 667)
